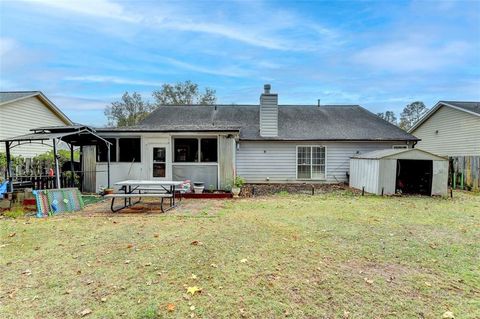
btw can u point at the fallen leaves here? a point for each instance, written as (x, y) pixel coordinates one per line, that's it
(243, 261)
(368, 281)
(448, 315)
(127, 261)
(171, 307)
(193, 290)
(193, 276)
(85, 312)
(27, 272)
(12, 234)
(196, 243)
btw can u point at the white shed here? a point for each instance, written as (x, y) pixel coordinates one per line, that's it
(406, 171)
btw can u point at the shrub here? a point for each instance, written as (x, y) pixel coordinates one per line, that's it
(239, 181)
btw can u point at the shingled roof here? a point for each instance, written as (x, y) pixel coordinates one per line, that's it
(15, 95)
(467, 106)
(295, 122)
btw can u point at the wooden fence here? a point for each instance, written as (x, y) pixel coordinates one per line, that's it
(465, 172)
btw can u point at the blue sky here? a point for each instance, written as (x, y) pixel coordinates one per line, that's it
(379, 54)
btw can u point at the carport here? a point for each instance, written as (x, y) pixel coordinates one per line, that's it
(73, 135)
(400, 171)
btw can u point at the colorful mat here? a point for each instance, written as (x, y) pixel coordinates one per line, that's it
(54, 201)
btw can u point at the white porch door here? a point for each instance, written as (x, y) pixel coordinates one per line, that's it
(157, 155)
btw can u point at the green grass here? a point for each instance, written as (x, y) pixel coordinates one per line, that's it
(327, 256)
(14, 212)
(91, 199)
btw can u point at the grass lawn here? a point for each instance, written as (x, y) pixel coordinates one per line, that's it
(328, 256)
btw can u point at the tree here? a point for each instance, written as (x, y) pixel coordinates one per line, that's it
(129, 111)
(388, 116)
(411, 114)
(182, 93)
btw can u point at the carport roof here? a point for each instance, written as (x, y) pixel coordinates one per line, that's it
(77, 135)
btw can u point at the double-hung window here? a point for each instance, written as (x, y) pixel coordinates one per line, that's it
(311, 162)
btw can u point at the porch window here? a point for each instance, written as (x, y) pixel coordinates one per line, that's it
(208, 149)
(195, 150)
(311, 162)
(102, 151)
(129, 149)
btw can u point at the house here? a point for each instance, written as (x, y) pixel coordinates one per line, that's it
(450, 128)
(264, 143)
(23, 110)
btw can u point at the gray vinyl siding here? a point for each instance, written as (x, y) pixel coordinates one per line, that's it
(458, 133)
(269, 115)
(18, 117)
(257, 161)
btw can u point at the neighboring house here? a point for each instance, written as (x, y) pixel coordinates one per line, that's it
(265, 143)
(450, 128)
(20, 112)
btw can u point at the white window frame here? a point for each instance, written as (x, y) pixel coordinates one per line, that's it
(198, 138)
(311, 154)
(117, 148)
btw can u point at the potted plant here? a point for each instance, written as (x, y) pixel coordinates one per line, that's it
(106, 191)
(237, 185)
(198, 187)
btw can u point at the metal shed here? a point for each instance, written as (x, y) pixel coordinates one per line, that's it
(404, 171)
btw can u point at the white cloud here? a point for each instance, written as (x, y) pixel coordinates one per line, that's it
(98, 8)
(270, 32)
(76, 103)
(111, 79)
(6, 45)
(223, 71)
(407, 56)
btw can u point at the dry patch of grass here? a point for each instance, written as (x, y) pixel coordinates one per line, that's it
(328, 256)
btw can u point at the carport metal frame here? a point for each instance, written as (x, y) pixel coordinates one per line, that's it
(75, 135)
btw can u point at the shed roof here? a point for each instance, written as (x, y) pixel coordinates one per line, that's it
(295, 122)
(406, 153)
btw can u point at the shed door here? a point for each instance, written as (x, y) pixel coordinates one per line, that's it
(414, 176)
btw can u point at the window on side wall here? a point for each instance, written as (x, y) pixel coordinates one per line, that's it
(102, 151)
(195, 150)
(129, 150)
(311, 162)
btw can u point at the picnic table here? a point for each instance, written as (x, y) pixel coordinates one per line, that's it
(144, 188)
